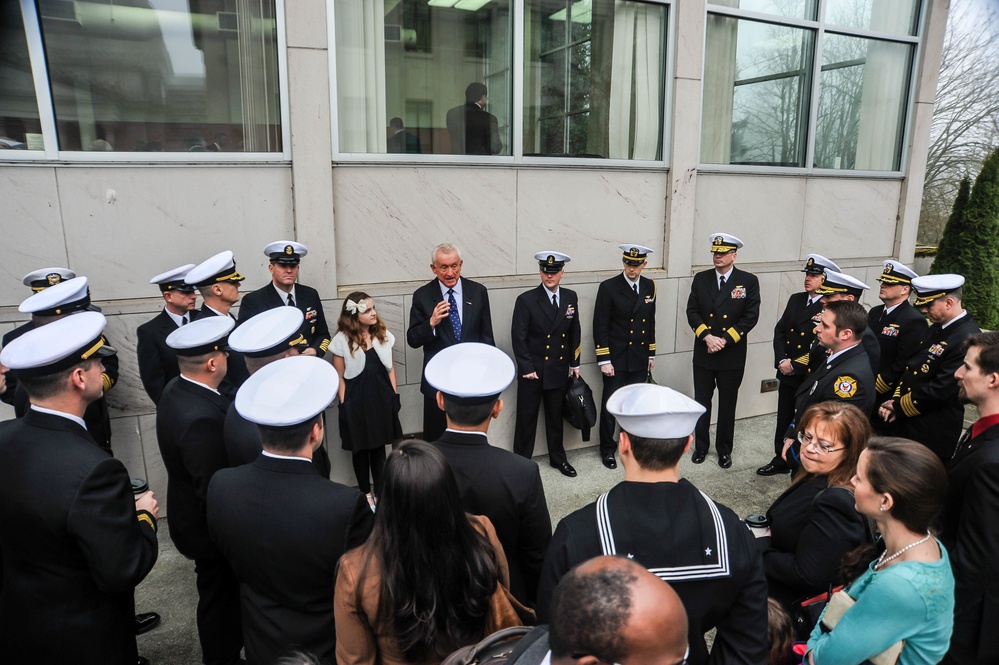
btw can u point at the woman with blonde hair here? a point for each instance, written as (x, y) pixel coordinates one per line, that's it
(369, 401)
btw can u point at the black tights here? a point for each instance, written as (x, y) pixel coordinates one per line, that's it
(366, 461)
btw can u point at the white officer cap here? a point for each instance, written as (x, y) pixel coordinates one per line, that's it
(724, 242)
(816, 264)
(269, 333)
(654, 412)
(39, 280)
(288, 392)
(173, 280)
(896, 273)
(201, 336)
(931, 287)
(57, 346)
(471, 372)
(837, 282)
(635, 254)
(552, 262)
(73, 295)
(286, 251)
(219, 268)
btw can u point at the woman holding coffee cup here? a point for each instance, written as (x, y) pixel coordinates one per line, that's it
(814, 523)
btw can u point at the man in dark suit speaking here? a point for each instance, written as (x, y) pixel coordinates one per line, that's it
(473, 129)
(446, 311)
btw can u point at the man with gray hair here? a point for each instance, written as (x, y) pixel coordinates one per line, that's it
(447, 310)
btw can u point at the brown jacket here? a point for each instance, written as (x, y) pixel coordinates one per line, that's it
(360, 638)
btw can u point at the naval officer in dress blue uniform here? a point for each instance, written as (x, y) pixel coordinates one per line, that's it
(157, 361)
(281, 526)
(624, 332)
(724, 305)
(546, 344)
(671, 528)
(285, 291)
(75, 539)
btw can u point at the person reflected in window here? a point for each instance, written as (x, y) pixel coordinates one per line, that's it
(400, 140)
(473, 130)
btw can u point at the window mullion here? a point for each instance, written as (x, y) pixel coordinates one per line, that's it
(39, 73)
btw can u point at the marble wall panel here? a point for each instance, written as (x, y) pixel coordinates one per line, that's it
(126, 442)
(402, 214)
(764, 212)
(770, 307)
(759, 366)
(160, 217)
(667, 302)
(684, 334)
(854, 218)
(32, 228)
(127, 397)
(684, 156)
(674, 371)
(306, 25)
(571, 211)
(156, 473)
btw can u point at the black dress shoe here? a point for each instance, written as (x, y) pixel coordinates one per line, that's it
(565, 469)
(145, 622)
(609, 461)
(724, 461)
(697, 457)
(142, 661)
(772, 469)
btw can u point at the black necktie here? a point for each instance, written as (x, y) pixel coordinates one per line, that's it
(721, 282)
(961, 442)
(291, 301)
(554, 301)
(183, 320)
(634, 287)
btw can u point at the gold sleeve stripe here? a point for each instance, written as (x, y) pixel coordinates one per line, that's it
(325, 346)
(107, 382)
(908, 406)
(603, 350)
(579, 349)
(699, 329)
(144, 517)
(652, 347)
(898, 392)
(734, 334)
(802, 360)
(881, 386)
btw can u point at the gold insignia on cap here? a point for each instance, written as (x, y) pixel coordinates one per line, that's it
(719, 240)
(810, 262)
(551, 259)
(633, 251)
(53, 278)
(889, 268)
(289, 250)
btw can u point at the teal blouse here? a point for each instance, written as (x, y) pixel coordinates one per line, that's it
(909, 601)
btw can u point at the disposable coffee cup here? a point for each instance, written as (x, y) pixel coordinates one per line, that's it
(139, 487)
(758, 524)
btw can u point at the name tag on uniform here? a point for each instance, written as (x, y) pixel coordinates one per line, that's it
(739, 292)
(570, 311)
(890, 330)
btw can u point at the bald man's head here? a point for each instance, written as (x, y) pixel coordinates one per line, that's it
(611, 610)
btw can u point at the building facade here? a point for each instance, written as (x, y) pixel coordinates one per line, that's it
(153, 133)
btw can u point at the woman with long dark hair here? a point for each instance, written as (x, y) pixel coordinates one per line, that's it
(430, 577)
(907, 593)
(813, 524)
(369, 401)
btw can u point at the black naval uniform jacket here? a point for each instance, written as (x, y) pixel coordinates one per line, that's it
(624, 323)
(283, 530)
(243, 445)
(847, 378)
(730, 313)
(970, 531)
(74, 547)
(189, 425)
(546, 340)
(900, 335)
(700, 547)
(236, 372)
(476, 322)
(793, 336)
(507, 489)
(926, 404)
(315, 329)
(157, 361)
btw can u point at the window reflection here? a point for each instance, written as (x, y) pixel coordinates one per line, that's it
(20, 128)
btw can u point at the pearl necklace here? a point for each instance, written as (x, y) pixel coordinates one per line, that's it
(882, 561)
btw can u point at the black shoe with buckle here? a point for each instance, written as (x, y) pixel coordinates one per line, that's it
(698, 457)
(609, 461)
(145, 622)
(724, 461)
(565, 469)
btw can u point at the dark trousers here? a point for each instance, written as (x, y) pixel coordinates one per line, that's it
(220, 626)
(530, 395)
(367, 462)
(607, 422)
(434, 420)
(727, 381)
(785, 414)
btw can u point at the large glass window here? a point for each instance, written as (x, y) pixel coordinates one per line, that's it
(163, 75)
(20, 128)
(423, 76)
(594, 78)
(801, 90)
